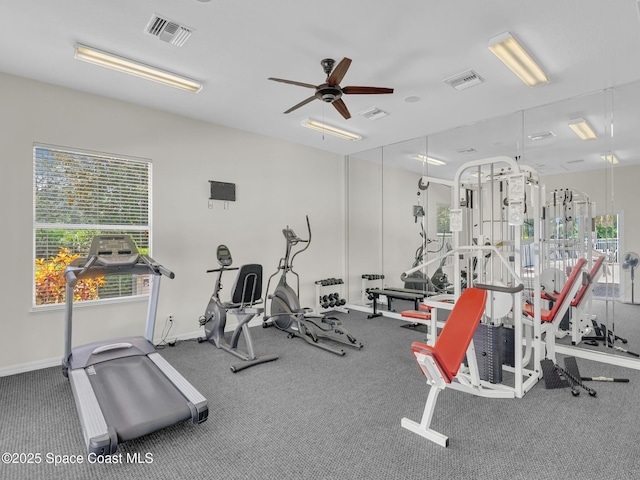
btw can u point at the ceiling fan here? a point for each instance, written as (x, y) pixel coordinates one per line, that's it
(331, 91)
(630, 262)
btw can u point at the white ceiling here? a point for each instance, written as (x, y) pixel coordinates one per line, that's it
(409, 45)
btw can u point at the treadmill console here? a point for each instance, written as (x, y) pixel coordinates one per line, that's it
(112, 250)
(224, 256)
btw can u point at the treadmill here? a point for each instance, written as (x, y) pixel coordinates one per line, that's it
(123, 388)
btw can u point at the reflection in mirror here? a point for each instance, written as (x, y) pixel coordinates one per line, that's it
(584, 170)
(582, 219)
(483, 141)
(364, 224)
(404, 214)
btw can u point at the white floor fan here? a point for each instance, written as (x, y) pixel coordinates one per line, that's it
(630, 261)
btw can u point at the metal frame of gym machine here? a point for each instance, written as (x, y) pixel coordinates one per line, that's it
(487, 217)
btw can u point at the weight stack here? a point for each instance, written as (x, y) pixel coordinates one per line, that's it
(488, 341)
(509, 347)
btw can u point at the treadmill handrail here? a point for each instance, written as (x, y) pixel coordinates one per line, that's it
(92, 268)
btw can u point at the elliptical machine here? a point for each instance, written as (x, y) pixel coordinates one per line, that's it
(246, 295)
(285, 312)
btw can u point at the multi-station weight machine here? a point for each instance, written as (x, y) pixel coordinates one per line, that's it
(491, 200)
(532, 255)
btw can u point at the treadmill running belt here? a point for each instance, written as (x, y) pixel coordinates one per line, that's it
(136, 398)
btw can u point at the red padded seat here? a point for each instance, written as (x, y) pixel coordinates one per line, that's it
(457, 333)
(550, 315)
(422, 315)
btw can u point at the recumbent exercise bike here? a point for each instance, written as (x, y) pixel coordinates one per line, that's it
(245, 299)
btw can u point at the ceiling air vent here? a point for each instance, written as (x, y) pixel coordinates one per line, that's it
(466, 150)
(464, 80)
(373, 113)
(168, 30)
(541, 135)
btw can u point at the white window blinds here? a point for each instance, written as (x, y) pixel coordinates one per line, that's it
(76, 196)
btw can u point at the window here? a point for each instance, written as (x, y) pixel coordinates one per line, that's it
(443, 213)
(76, 196)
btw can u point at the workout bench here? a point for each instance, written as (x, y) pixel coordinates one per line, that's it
(440, 363)
(415, 296)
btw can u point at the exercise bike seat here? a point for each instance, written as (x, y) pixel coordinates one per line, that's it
(247, 289)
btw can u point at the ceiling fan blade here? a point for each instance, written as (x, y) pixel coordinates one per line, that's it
(291, 82)
(339, 72)
(365, 90)
(342, 108)
(302, 103)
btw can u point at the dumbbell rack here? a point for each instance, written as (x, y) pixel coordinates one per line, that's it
(367, 279)
(330, 302)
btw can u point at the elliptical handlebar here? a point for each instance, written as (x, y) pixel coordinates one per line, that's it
(298, 239)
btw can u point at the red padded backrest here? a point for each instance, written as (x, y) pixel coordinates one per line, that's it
(458, 330)
(592, 274)
(577, 269)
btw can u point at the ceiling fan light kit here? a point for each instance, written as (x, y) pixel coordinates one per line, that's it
(514, 56)
(335, 131)
(125, 65)
(331, 91)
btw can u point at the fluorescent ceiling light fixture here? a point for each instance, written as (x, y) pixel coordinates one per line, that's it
(121, 64)
(324, 128)
(514, 56)
(582, 128)
(429, 160)
(610, 157)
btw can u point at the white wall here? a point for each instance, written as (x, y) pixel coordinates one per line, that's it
(365, 223)
(278, 183)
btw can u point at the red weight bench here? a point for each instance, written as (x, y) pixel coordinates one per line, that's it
(580, 314)
(562, 300)
(440, 363)
(420, 314)
(550, 319)
(582, 294)
(585, 292)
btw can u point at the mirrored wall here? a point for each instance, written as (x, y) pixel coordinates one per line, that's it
(399, 198)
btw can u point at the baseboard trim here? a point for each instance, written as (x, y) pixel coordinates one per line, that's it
(57, 361)
(30, 366)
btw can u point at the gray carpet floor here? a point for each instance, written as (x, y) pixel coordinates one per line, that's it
(315, 415)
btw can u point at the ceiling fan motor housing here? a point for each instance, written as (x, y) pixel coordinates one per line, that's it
(328, 93)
